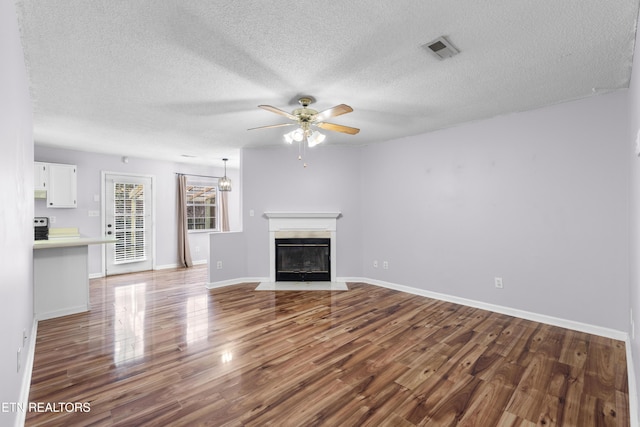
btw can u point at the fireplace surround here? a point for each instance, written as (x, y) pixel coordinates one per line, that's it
(303, 225)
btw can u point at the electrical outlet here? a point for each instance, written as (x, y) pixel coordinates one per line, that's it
(52, 219)
(375, 264)
(252, 212)
(498, 282)
(18, 358)
(385, 265)
(219, 265)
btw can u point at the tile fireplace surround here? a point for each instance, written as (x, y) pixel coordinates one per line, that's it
(289, 225)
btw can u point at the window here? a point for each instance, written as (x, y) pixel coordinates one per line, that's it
(202, 207)
(129, 222)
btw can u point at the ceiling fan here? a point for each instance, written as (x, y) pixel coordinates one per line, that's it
(306, 117)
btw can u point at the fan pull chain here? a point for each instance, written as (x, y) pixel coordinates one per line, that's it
(302, 151)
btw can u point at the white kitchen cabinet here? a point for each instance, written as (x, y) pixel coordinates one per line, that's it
(40, 176)
(62, 186)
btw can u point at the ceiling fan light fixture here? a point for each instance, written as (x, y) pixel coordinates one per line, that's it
(297, 135)
(288, 137)
(306, 117)
(315, 138)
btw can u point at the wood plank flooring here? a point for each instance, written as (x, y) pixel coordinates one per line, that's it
(159, 349)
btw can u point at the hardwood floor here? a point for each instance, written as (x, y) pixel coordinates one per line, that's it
(159, 349)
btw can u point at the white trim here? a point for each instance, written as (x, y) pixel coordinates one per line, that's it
(65, 312)
(170, 266)
(302, 222)
(166, 266)
(536, 317)
(634, 410)
(239, 280)
(103, 212)
(527, 315)
(26, 375)
(302, 214)
(157, 267)
(555, 321)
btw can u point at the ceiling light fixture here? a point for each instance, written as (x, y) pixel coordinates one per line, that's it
(304, 134)
(224, 183)
(306, 117)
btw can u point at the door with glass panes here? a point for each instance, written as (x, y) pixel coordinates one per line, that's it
(128, 218)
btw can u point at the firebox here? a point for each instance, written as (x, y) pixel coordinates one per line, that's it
(303, 260)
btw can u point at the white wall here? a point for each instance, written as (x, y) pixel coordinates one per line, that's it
(274, 180)
(634, 250)
(90, 166)
(230, 250)
(16, 213)
(538, 198)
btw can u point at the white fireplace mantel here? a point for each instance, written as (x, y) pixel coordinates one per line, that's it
(303, 224)
(302, 214)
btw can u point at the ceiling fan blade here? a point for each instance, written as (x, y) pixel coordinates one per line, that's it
(338, 128)
(332, 112)
(278, 111)
(273, 126)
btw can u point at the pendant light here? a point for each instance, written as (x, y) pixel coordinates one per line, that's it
(224, 183)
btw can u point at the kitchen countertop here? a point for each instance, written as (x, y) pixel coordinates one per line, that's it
(63, 242)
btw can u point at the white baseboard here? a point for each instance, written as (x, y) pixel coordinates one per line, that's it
(536, 317)
(634, 408)
(171, 266)
(165, 267)
(157, 267)
(223, 283)
(64, 312)
(26, 376)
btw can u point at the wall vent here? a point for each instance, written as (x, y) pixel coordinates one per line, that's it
(441, 48)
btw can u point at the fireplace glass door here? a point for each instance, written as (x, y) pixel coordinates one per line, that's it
(303, 260)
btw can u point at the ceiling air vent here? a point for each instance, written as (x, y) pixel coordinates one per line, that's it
(441, 47)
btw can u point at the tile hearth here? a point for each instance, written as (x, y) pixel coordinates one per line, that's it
(302, 286)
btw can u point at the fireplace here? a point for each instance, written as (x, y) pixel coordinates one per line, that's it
(310, 227)
(303, 260)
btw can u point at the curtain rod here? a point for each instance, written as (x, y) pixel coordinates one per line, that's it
(201, 176)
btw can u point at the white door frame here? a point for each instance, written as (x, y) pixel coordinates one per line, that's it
(103, 212)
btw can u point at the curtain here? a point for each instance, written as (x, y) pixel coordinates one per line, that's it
(224, 210)
(184, 253)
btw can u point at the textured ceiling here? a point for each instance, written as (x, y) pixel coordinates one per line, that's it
(162, 79)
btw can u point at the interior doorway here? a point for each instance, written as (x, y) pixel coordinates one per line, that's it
(129, 218)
